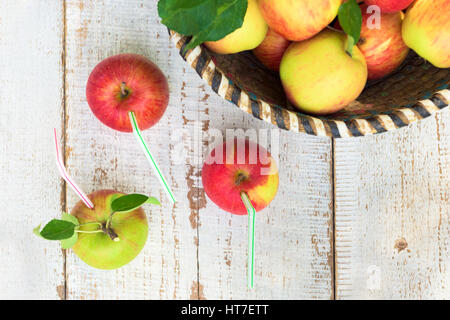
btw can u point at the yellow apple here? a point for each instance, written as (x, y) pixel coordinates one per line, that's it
(426, 30)
(247, 37)
(319, 76)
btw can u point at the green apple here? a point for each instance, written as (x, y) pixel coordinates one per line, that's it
(247, 37)
(121, 240)
(426, 30)
(319, 76)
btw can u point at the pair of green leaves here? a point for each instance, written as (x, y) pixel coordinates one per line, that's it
(212, 20)
(204, 20)
(350, 19)
(66, 228)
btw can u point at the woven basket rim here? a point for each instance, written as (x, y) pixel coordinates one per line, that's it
(399, 117)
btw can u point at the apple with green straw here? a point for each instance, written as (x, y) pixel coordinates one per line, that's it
(106, 229)
(129, 93)
(241, 177)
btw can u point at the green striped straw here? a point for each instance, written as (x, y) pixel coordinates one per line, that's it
(251, 239)
(137, 134)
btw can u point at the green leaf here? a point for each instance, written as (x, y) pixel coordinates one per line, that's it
(350, 19)
(37, 232)
(70, 218)
(128, 202)
(349, 45)
(204, 20)
(58, 230)
(69, 242)
(153, 200)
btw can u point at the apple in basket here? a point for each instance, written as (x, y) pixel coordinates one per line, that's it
(301, 19)
(319, 76)
(426, 30)
(271, 50)
(247, 37)
(383, 45)
(389, 6)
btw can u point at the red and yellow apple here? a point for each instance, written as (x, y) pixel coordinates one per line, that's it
(426, 30)
(390, 6)
(243, 166)
(99, 250)
(123, 83)
(301, 19)
(319, 76)
(271, 50)
(383, 46)
(247, 37)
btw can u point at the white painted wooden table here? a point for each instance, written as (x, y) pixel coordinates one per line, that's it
(356, 218)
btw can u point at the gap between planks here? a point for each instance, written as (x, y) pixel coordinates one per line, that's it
(64, 133)
(333, 218)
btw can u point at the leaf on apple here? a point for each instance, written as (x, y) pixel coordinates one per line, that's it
(70, 242)
(70, 218)
(204, 20)
(153, 200)
(350, 19)
(58, 230)
(131, 202)
(37, 231)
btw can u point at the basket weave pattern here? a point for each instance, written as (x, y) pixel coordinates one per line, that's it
(415, 91)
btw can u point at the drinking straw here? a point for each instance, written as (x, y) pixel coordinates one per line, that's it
(251, 238)
(137, 134)
(69, 180)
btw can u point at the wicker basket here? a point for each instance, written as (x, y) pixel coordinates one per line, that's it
(415, 91)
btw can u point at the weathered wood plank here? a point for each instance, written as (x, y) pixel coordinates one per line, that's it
(101, 158)
(392, 213)
(293, 235)
(31, 95)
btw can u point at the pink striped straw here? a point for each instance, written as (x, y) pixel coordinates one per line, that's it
(69, 180)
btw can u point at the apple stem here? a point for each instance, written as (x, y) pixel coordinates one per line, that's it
(123, 91)
(88, 223)
(240, 178)
(94, 231)
(110, 232)
(334, 29)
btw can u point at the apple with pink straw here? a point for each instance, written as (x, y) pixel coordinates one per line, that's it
(106, 229)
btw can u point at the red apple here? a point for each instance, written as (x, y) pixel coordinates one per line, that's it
(383, 47)
(243, 166)
(298, 20)
(271, 50)
(389, 6)
(123, 83)
(99, 250)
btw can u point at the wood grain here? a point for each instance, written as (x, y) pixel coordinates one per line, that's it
(103, 159)
(31, 79)
(392, 213)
